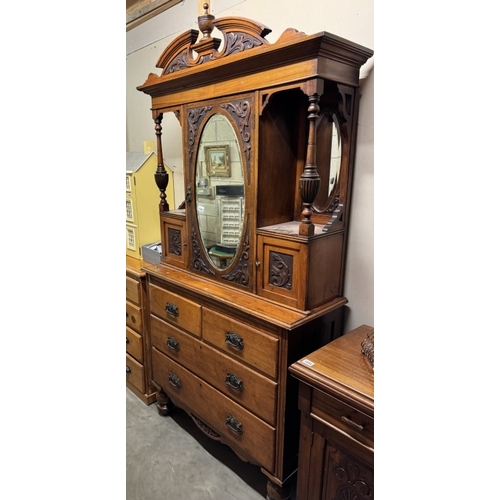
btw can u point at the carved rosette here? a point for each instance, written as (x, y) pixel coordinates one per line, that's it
(352, 480)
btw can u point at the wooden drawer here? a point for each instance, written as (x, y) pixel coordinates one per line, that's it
(245, 386)
(134, 317)
(216, 410)
(135, 373)
(133, 291)
(343, 416)
(134, 345)
(181, 312)
(241, 341)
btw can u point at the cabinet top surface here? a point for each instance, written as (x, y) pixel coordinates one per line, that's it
(249, 303)
(134, 266)
(339, 368)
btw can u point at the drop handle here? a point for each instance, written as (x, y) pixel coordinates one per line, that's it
(234, 382)
(174, 380)
(234, 425)
(352, 423)
(128, 370)
(173, 344)
(234, 340)
(172, 309)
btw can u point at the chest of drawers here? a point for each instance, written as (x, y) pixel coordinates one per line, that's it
(223, 355)
(337, 420)
(137, 357)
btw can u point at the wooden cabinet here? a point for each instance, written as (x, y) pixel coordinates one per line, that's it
(252, 269)
(137, 355)
(336, 401)
(223, 357)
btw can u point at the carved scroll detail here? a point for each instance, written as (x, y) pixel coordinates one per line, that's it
(280, 270)
(241, 111)
(195, 117)
(240, 273)
(200, 264)
(174, 241)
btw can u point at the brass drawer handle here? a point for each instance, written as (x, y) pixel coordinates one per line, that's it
(173, 344)
(128, 369)
(234, 425)
(172, 309)
(234, 382)
(174, 380)
(354, 424)
(234, 340)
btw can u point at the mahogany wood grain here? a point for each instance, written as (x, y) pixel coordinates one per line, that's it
(336, 399)
(257, 437)
(257, 393)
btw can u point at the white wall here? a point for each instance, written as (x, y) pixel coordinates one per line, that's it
(351, 19)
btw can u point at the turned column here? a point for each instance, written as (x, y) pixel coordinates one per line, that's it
(309, 180)
(161, 175)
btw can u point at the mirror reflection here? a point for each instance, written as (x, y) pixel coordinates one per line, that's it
(220, 191)
(329, 156)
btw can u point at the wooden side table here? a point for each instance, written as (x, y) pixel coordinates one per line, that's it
(337, 420)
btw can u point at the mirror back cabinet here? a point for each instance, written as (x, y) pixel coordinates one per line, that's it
(252, 266)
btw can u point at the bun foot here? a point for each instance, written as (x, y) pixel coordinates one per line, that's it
(275, 492)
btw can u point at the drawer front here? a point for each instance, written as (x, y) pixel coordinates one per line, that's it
(134, 317)
(135, 373)
(241, 341)
(134, 345)
(175, 309)
(342, 416)
(245, 386)
(133, 291)
(224, 416)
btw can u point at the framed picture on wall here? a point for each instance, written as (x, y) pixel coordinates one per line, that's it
(217, 158)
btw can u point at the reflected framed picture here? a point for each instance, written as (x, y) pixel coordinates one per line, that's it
(217, 158)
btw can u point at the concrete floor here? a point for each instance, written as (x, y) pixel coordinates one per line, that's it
(169, 458)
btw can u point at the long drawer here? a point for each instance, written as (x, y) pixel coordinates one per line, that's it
(175, 309)
(342, 416)
(135, 373)
(252, 390)
(134, 317)
(224, 416)
(241, 341)
(134, 344)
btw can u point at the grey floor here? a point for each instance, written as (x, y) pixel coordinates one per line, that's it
(169, 458)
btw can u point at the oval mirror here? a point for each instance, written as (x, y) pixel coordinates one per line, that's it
(220, 191)
(328, 159)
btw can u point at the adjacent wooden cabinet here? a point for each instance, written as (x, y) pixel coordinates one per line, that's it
(336, 400)
(137, 362)
(252, 269)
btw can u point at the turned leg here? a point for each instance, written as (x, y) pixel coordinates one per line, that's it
(163, 403)
(275, 492)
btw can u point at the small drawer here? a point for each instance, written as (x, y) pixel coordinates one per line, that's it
(343, 416)
(241, 341)
(175, 309)
(220, 413)
(134, 345)
(135, 373)
(245, 386)
(133, 291)
(134, 317)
